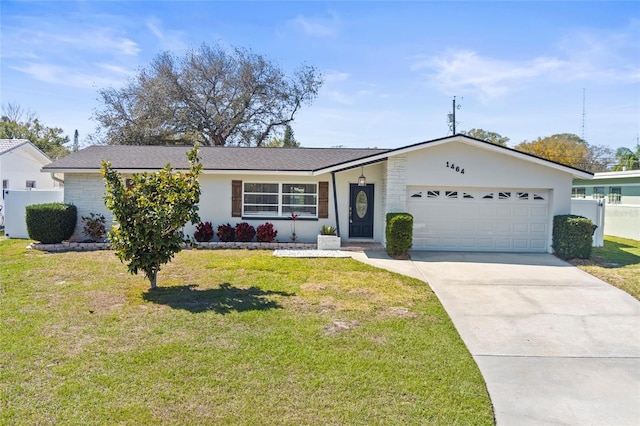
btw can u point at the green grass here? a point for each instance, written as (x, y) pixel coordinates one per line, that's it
(618, 263)
(232, 337)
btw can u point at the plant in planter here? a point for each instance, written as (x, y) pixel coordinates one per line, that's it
(226, 233)
(266, 233)
(293, 218)
(94, 226)
(328, 230)
(328, 238)
(244, 232)
(204, 232)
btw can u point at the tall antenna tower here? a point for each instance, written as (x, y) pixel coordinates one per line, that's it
(584, 111)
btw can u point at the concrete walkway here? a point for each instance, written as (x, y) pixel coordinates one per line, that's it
(555, 345)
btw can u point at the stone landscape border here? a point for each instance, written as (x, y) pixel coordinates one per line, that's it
(77, 246)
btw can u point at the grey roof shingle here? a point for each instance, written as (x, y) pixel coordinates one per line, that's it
(126, 157)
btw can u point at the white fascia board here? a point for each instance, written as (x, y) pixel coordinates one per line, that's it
(617, 175)
(260, 172)
(602, 184)
(352, 164)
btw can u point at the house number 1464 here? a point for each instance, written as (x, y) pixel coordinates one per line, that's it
(455, 168)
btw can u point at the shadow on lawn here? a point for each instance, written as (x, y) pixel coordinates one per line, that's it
(222, 300)
(613, 255)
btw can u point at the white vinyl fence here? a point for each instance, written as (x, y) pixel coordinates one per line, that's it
(15, 202)
(623, 220)
(593, 210)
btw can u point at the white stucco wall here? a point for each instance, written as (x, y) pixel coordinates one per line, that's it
(486, 169)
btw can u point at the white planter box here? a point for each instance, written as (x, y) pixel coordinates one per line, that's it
(328, 242)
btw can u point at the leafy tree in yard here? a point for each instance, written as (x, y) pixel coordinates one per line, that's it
(210, 95)
(569, 149)
(494, 138)
(150, 210)
(627, 159)
(17, 123)
(287, 141)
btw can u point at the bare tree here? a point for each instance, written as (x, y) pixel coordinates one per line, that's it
(210, 96)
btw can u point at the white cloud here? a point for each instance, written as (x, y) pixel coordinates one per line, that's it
(335, 76)
(316, 27)
(169, 39)
(490, 78)
(72, 77)
(588, 57)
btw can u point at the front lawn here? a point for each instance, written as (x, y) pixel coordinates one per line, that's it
(618, 263)
(233, 337)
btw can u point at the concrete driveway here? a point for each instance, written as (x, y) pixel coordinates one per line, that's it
(554, 344)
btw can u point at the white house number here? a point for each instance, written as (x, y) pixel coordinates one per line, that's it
(455, 168)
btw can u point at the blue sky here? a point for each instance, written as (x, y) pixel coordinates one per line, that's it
(391, 69)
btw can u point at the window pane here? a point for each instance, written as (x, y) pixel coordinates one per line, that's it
(260, 199)
(261, 187)
(301, 210)
(298, 188)
(261, 210)
(299, 199)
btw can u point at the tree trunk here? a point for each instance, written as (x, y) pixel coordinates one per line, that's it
(152, 279)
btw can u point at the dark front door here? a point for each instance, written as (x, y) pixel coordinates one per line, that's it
(360, 211)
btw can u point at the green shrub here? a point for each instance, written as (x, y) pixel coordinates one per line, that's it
(399, 233)
(572, 236)
(52, 222)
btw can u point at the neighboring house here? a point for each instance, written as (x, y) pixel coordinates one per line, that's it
(621, 191)
(465, 194)
(615, 187)
(20, 165)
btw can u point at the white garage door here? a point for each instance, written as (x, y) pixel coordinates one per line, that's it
(464, 219)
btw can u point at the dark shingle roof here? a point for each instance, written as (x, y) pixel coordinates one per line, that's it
(212, 158)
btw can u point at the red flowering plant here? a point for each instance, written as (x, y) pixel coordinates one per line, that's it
(294, 217)
(226, 233)
(244, 232)
(266, 233)
(204, 232)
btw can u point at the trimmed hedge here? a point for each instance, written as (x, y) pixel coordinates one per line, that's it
(399, 233)
(51, 223)
(572, 236)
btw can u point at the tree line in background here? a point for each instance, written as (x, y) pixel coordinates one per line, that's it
(17, 123)
(571, 150)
